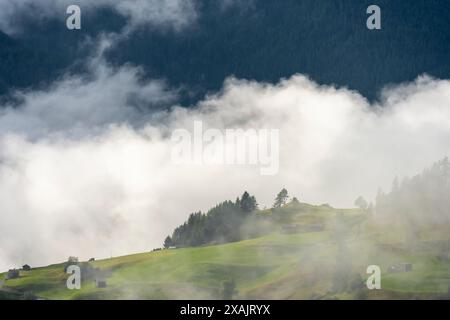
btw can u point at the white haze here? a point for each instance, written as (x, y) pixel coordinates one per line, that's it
(78, 105)
(174, 14)
(81, 172)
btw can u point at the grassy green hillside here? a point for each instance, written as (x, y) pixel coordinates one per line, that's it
(322, 255)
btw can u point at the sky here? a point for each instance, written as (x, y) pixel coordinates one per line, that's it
(169, 13)
(86, 170)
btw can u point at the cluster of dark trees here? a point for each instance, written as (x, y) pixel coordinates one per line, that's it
(424, 197)
(221, 224)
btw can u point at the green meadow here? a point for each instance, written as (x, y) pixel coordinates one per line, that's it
(328, 263)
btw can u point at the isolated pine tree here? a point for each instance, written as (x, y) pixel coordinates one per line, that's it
(281, 198)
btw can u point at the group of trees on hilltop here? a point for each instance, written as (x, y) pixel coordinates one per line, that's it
(220, 224)
(422, 197)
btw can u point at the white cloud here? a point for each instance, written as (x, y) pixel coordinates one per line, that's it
(78, 105)
(174, 14)
(113, 190)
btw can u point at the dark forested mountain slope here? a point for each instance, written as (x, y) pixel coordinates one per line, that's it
(265, 41)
